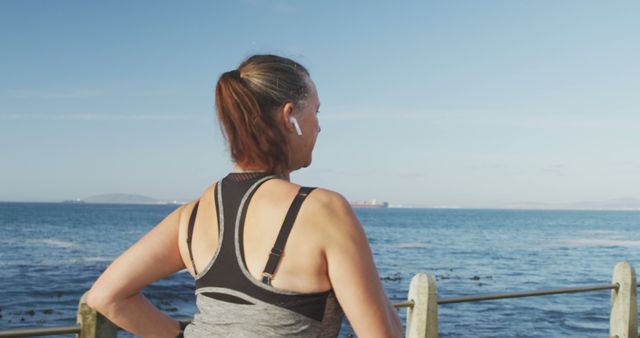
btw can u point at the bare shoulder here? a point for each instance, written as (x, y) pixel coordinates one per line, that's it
(328, 201)
(332, 212)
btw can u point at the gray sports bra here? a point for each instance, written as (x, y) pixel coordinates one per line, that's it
(231, 302)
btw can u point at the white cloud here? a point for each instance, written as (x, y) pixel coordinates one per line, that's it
(374, 113)
(97, 117)
(46, 94)
(488, 117)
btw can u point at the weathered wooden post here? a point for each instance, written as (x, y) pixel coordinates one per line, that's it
(422, 317)
(92, 323)
(623, 322)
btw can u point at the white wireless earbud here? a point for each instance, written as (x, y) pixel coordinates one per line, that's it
(294, 121)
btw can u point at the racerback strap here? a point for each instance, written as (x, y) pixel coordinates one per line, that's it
(281, 241)
(192, 222)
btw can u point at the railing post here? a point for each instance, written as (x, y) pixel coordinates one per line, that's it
(623, 322)
(422, 317)
(92, 323)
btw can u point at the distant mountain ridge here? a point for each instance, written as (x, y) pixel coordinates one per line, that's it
(623, 203)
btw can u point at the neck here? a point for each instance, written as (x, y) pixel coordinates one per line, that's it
(239, 169)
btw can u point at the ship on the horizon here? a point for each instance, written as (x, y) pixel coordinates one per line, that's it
(370, 204)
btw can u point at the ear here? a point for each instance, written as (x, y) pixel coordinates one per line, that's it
(285, 112)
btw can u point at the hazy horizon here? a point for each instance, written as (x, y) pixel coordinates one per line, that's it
(461, 103)
(619, 203)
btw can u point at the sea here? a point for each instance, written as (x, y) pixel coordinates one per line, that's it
(50, 253)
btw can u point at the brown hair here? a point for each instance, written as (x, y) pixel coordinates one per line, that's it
(247, 102)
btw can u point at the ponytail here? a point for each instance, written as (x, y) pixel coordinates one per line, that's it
(247, 102)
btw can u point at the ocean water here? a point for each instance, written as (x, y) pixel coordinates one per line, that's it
(51, 253)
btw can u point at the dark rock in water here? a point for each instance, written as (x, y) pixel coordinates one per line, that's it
(30, 312)
(22, 319)
(0, 316)
(475, 278)
(47, 311)
(392, 278)
(172, 309)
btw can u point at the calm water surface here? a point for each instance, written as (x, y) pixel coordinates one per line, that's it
(51, 253)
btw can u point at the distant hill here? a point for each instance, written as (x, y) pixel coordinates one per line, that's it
(624, 203)
(121, 199)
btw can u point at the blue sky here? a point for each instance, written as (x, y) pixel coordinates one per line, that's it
(432, 103)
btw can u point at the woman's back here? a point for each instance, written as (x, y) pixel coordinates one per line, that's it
(233, 295)
(302, 268)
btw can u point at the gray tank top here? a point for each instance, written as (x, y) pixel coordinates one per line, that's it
(231, 302)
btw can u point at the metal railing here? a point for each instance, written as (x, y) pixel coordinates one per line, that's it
(44, 331)
(422, 304)
(521, 294)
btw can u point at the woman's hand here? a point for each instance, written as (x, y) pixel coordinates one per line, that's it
(116, 294)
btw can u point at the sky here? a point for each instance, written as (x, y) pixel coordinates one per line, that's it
(462, 103)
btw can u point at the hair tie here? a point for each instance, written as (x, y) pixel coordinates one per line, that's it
(235, 73)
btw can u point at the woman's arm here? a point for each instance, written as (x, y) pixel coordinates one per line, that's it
(116, 294)
(353, 273)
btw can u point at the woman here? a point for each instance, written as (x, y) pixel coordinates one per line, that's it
(270, 258)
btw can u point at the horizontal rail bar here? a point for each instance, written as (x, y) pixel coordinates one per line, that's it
(408, 303)
(521, 294)
(44, 331)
